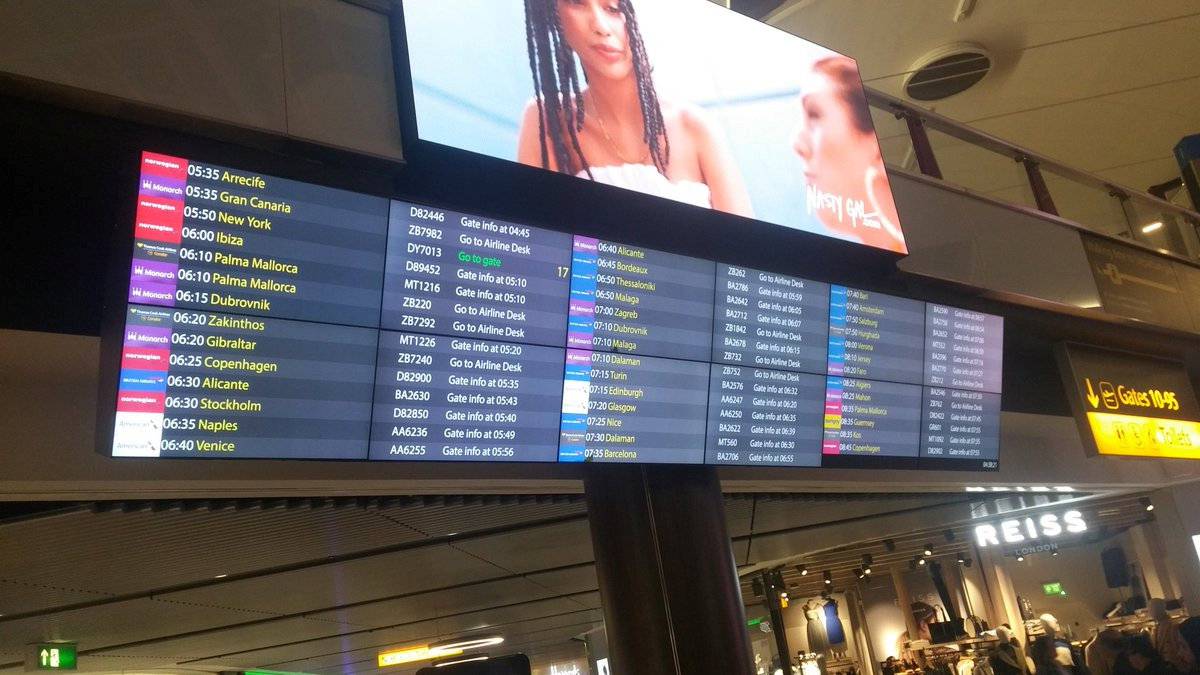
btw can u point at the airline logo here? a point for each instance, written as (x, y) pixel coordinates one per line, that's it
(137, 434)
(141, 402)
(135, 358)
(164, 166)
(143, 380)
(159, 219)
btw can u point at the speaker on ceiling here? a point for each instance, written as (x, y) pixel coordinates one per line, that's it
(1116, 567)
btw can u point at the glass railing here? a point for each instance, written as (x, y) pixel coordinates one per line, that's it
(942, 148)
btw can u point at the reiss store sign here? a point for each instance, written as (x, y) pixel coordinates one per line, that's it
(1047, 526)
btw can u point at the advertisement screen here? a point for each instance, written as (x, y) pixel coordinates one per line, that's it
(272, 319)
(681, 99)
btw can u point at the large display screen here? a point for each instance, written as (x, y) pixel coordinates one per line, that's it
(681, 99)
(268, 318)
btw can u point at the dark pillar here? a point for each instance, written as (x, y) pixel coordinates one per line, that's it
(772, 582)
(668, 583)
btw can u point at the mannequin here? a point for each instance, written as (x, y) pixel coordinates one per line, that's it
(818, 638)
(1008, 659)
(1051, 652)
(833, 627)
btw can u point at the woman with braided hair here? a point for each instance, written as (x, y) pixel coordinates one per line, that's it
(611, 127)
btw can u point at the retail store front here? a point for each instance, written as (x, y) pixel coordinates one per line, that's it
(906, 583)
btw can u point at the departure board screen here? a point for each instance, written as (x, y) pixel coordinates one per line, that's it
(273, 319)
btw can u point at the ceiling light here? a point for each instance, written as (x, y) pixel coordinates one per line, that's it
(1063, 488)
(455, 662)
(1152, 227)
(859, 573)
(962, 559)
(828, 577)
(398, 657)
(1145, 501)
(976, 488)
(920, 561)
(1055, 554)
(867, 562)
(803, 570)
(928, 550)
(1020, 558)
(220, 576)
(472, 643)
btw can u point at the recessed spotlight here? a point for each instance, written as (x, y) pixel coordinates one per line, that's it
(1054, 554)
(928, 550)
(859, 573)
(867, 562)
(920, 561)
(1145, 501)
(828, 577)
(1020, 558)
(803, 570)
(962, 559)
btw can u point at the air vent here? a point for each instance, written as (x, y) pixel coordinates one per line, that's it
(947, 71)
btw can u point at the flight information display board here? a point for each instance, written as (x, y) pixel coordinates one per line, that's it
(269, 318)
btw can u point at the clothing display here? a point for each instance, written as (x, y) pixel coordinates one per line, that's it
(1167, 639)
(818, 637)
(833, 624)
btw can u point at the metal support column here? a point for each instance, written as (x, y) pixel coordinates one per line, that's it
(922, 149)
(668, 582)
(1037, 183)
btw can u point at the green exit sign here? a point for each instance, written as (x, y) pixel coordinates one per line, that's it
(52, 656)
(1054, 588)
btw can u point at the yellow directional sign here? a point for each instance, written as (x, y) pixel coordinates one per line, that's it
(1130, 404)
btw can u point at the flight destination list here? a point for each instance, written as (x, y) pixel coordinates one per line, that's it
(270, 318)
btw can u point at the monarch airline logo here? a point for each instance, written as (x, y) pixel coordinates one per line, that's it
(1021, 530)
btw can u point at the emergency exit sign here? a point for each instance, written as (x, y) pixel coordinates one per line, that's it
(51, 656)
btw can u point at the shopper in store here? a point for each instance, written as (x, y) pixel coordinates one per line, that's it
(1141, 658)
(1101, 653)
(1008, 658)
(610, 125)
(1167, 639)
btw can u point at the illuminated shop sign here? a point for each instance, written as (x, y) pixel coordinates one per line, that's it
(1029, 529)
(1131, 405)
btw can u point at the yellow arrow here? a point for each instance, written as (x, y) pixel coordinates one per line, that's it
(1091, 395)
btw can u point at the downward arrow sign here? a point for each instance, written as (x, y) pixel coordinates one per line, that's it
(1091, 395)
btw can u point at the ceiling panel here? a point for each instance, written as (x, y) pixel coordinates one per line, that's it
(328, 586)
(474, 517)
(18, 597)
(146, 549)
(440, 603)
(118, 623)
(574, 580)
(245, 638)
(550, 546)
(555, 626)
